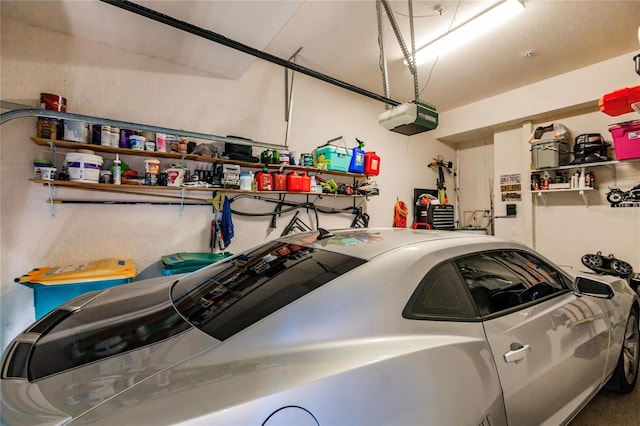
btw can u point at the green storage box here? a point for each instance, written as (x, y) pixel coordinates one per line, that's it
(180, 263)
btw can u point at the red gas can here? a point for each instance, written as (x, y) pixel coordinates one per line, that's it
(294, 182)
(371, 164)
(279, 182)
(306, 183)
(265, 181)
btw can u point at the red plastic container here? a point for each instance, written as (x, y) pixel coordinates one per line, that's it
(294, 182)
(626, 139)
(306, 183)
(371, 164)
(619, 101)
(265, 181)
(279, 182)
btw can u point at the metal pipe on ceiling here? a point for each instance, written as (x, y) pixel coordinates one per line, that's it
(217, 38)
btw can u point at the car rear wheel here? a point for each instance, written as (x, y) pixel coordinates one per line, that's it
(626, 374)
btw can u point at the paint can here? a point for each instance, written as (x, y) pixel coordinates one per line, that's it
(47, 128)
(53, 102)
(136, 142)
(306, 160)
(76, 131)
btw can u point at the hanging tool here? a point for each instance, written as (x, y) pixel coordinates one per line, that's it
(295, 224)
(400, 214)
(361, 220)
(441, 165)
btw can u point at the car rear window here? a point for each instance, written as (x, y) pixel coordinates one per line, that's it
(246, 288)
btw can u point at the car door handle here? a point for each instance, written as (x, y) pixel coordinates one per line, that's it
(518, 351)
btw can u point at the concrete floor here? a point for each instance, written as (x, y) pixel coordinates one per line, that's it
(611, 409)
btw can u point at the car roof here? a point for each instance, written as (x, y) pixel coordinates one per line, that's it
(367, 243)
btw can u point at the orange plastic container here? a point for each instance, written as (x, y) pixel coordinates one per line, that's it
(371, 164)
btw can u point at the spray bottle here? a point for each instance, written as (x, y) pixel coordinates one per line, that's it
(117, 171)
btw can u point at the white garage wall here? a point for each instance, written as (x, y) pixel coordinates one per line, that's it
(566, 229)
(475, 174)
(105, 82)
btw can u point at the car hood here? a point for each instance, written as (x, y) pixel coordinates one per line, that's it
(93, 348)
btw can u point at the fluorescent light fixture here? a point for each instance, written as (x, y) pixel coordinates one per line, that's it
(470, 30)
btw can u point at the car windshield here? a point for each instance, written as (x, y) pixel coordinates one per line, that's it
(243, 289)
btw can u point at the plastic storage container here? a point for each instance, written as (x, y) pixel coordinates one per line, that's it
(305, 183)
(626, 139)
(53, 286)
(294, 182)
(180, 263)
(550, 153)
(83, 167)
(337, 158)
(619, 101)
(357, 160)
(371, 164)
(264, 181)
(279, 181)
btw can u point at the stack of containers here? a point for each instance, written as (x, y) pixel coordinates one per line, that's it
(51, 128)
(53, 286)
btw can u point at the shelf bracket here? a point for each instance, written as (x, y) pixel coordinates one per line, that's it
(181, 208)
(545, 200)
(52, 199)
(54, 151)
(585, 197)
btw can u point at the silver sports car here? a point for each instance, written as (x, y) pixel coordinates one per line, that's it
(350, 327)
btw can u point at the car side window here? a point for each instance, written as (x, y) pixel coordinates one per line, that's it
(440, 295)
(504, 280)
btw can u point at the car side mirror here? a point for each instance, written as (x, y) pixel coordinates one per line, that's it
(593, 288)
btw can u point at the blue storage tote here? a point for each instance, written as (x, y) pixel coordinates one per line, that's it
(53, 286)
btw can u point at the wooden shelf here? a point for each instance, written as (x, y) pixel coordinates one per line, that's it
(148, 189)
(190, 157)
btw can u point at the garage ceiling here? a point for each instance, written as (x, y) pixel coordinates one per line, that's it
(339, 39)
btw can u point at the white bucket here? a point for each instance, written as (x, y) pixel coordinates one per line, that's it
(136, 142)
(83, 167)
(175, 176)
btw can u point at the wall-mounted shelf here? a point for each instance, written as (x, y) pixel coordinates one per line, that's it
(608, 164)
(544, 194)
(25, 111)
(178, 194)
(191, 157)
(159, 191)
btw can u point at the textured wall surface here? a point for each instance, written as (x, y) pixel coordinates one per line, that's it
(105, 82)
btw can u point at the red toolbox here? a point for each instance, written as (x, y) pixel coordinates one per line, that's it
(620, 101)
